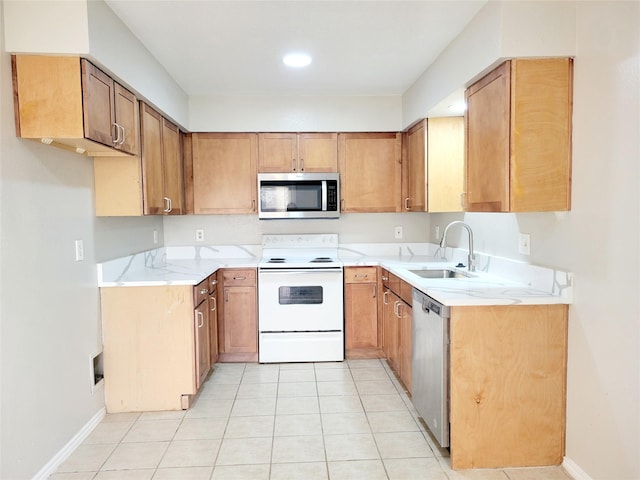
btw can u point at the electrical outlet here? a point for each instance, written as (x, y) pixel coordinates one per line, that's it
(200, 235)
(79, 250)
(155, 236)
(398, 233)
(524, 244)
(436, 232)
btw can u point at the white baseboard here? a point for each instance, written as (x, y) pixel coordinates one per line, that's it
(53, 464)
(574, 470)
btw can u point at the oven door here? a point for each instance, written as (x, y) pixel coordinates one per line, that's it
(300, 300)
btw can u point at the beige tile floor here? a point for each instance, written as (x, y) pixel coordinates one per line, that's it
(338, 421)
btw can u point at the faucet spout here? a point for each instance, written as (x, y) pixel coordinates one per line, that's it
(472, 257)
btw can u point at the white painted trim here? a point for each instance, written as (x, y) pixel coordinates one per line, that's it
(574, 470)
(53, 464)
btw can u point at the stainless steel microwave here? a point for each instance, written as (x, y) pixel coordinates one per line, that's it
(298, 195)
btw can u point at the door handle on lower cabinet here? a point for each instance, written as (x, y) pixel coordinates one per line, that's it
(201, 316)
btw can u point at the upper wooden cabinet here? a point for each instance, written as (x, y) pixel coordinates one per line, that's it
(370, 171)
(414, 180)
(68, 102)
(297, 152)
(162, 176)
(445, 164)
(518, 132)
(222, 173)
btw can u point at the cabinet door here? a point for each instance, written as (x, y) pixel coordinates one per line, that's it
(370, 171)
(224, 172)
(361, 315)
(213, 327)
(413, 169)
(152, 173)
(487, 130)
(445, 164)
(98, 105)
(277, 152)
(390, 328)
(126, 116)
(240, 320)
(202, 357)
(318, 152)
(404, 343)
(172, 168)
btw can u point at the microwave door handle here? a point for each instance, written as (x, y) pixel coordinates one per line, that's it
(324, 195)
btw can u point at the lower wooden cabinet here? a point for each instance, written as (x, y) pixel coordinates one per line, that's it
(238, 330)
(202, 342)
(508, 385)
(397, 326)
(362, 339)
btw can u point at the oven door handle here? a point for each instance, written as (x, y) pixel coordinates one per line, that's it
(304, 271)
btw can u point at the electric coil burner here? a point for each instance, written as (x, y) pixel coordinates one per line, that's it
(300, 299)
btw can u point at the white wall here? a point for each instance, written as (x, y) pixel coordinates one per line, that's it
(114, 46)
(598, 240)
(46, 26)
(247, 229)
(49, 304)
(295, 114)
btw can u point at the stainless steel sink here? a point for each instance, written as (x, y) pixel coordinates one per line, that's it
(439, 273)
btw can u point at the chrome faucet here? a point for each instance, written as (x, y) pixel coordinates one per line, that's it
(472, 257)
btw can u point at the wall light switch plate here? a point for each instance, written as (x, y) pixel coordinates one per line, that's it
(79, 250)
(200, 235)
(398, 233)
(155, 236)
(524, 244)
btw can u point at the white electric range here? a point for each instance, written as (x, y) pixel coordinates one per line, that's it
(300, 299)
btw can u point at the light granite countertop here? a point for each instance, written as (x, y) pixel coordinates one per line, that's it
(497, 281)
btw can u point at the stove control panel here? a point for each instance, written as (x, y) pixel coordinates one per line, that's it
(304, 240)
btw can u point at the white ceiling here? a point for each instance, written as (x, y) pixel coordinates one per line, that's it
(359, 47)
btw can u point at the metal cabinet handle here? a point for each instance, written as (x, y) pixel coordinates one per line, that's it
(463, 196)
(239, 278)
(400, 306)
(253, 205)
(123, 136)
(302, 164)
(361, 275)
(215, 304)
(385, 297)
(203, 291)
(214, 282)
(168, 207)
(201, 322)
(375, 290)
(395, 308)
(293, 164)
(406, 204)
(116, 140)
(342, 204)
(385, 278)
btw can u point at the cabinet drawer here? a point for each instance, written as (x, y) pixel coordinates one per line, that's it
(360, 275)
(239, 277)
(394, 283)
(213, 282)
(406, 291)
(200, 292)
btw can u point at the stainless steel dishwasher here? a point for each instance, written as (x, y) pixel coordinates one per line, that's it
(430, 364)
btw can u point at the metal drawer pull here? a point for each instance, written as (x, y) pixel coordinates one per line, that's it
(203, 291)
(201, 323)
(385, 298)
(385, 279)
(214, 282)
(215, 304)
(239, 278)
(406, 204)
(117, 139)
(375, 290)
(302, 164)
(362, 275)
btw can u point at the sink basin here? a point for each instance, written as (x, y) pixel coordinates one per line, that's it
(439, 273)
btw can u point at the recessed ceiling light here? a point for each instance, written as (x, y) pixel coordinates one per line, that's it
(297, 60)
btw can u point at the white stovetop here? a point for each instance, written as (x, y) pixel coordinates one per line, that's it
(497, 281)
